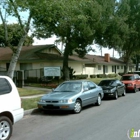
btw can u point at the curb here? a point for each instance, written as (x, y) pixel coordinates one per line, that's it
(31, 111)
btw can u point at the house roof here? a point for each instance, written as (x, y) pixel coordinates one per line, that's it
(35, 53)
(96, 59)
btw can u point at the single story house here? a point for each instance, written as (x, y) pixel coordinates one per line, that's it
(34, 58)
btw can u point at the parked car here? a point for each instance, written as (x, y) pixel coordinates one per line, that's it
(131, 81)
(10, 107)
(137, 72)
(112, 88)
(72, 95)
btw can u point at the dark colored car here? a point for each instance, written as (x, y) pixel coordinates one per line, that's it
(112, 88)
(131, 81)
(72, 95)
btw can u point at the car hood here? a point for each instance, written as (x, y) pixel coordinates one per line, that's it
(127, 82)
(107, 87)
(59, 95)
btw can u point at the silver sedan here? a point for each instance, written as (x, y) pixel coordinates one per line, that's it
(72, 95)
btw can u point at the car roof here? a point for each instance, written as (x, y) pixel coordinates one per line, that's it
(78, 80)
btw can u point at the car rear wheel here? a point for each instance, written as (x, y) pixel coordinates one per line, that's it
(6, 128)
(116, 95)
(99, 100)
(77, 107)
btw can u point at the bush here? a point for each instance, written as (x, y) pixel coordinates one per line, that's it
(101, 75)
(83, 76)
(111, 75)
(93, 76)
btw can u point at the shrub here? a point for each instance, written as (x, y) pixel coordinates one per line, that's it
(83, 76)
(111, 75)
(93, 76)
(101, 76)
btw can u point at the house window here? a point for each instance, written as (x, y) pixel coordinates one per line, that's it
(106, 69)
(25, 66)
(99, 67)
(121, 67)
(113, 68)
(118, 67)
(130, 68)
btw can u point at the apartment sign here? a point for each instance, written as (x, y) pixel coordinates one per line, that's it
(52, 71)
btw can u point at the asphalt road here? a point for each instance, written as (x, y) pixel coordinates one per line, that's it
(110, 121)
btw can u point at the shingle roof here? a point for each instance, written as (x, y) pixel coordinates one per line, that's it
(32, 53)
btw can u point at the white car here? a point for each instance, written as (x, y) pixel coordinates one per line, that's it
(10, 107)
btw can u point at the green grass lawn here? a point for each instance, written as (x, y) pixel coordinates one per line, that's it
(29, 92)
(30, 103)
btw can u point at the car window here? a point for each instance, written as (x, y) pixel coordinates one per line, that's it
(4, 86)
(107, 83)
(85, 85)
(69, 86)
(91, 85)
(127, 78)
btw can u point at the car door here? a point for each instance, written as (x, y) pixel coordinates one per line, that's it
(93, 92)
(120, 87)
(86, 97)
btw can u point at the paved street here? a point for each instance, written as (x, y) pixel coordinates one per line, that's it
(111, 121)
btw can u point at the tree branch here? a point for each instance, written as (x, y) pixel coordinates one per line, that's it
(16, 12)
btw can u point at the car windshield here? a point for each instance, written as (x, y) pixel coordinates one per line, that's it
(69, 86)
(107, 83)
(127, 78)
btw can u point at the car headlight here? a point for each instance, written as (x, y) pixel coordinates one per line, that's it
(107, 91)
(43, 101)
(66, 101)
(113, 90)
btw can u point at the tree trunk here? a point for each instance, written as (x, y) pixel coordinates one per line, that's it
(15, 57)
(126, 67)
(65, 63)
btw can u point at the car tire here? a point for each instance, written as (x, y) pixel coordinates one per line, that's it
(135, 89)
(124, 93)
(6, 128)
(116, 95)
(77, 107)
(99, 100)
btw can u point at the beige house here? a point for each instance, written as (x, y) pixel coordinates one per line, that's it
(34, 58)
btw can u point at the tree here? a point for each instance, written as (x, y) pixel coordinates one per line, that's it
(14, 34)
(74, 21)
(123, 31)
(13, 8)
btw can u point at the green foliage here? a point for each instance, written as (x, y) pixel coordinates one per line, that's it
(14, 34)
(93, 76)
(82, 76)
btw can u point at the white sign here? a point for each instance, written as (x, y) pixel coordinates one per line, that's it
(52, 71)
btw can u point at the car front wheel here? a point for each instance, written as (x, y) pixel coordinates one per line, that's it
(77, 107)
(124, 93)
(116, 95)
(135, 89)
(5, 128)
